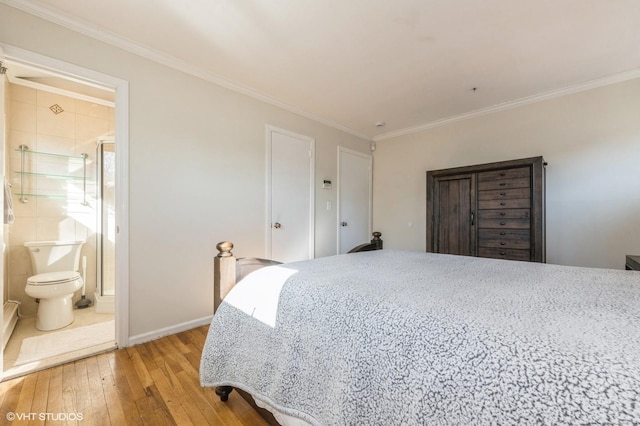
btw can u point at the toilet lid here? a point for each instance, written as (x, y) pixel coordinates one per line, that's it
(53, 278)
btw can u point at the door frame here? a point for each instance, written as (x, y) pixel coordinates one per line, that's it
(342, 149)
(269, 130)
(3, 142)
(121, 88)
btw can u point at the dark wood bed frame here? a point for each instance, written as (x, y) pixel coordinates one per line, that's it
(228, 270)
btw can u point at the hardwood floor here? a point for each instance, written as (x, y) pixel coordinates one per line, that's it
(154, 383)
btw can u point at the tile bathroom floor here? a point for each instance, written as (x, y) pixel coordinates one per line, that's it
(26, 328)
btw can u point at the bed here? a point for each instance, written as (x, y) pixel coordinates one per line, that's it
(409, 338)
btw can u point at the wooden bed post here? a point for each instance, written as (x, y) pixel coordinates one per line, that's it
(224, 273)
(224, 278)
(377, 241)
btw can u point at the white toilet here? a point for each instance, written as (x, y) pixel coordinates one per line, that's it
(56, 265)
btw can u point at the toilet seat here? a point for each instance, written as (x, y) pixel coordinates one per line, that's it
(50, 278)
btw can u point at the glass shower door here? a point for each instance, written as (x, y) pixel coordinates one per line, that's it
(106, 218)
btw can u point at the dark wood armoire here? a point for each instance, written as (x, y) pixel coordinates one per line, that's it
(488, 210)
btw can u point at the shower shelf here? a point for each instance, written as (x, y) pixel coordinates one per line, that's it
(51, 176)
(50, 154)
(24, 150)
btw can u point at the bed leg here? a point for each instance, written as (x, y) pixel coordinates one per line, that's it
(223, 392)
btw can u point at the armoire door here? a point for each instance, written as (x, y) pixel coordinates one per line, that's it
(454, 215)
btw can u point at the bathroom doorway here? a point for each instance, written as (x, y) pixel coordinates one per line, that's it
(64, 116)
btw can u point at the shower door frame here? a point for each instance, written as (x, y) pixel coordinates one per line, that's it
(100, 209)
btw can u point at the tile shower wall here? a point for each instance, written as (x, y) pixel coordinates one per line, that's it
(55, 124)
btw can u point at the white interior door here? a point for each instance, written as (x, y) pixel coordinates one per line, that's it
(290, 206)
(354, 199)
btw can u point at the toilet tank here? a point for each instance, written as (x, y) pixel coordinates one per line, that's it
(54, 256)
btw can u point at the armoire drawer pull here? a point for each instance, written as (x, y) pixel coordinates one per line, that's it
(503, 204)
(503, 194)
(503, 233)
(502, 213)
(502, 223)
(503, 174)
(503, 184)
(502, 243)
(502, 253)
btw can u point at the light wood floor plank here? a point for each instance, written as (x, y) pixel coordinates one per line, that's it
(125, 395)
(25, 400)
(204, 406)
(178, 343)
(54, 396)
(123, 362)
(41, 395)
(138, 365)
(83, 398)
(99, 410)
(153, 411)
(112, 400)
(69, 390)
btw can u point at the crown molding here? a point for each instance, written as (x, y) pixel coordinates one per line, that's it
(95, 32)
(581, 87)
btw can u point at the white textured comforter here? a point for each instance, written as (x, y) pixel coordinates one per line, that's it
(406, 338)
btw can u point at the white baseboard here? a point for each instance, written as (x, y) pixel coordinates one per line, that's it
(174, 329)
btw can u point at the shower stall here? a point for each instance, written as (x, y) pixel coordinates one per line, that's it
(106, 225)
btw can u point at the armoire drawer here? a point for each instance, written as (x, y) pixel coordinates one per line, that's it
(505, 203)
(514, 173)
(504, 194)
(506, 223)
(503, 184)
(504, 214)
(510, 254)
(505, 238)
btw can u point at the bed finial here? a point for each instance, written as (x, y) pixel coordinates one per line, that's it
(224, 248)
(224, 272)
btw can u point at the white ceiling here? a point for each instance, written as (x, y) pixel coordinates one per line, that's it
(353, 63)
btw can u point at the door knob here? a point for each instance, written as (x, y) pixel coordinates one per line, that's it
(344, 224)
(277, 225)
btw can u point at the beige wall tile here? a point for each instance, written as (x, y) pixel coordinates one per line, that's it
(17, 284)
(47, 99)
(51, 207)
(23, 94)
(23, 117)
(89, 129)
(62, 124)
(52, 228)
(93, 110)
(19, 137)
(23, 229)
(19, 260)
(20, 209)
(55, 144)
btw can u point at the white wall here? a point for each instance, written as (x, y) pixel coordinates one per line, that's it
(591, 141)
(197, 167)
